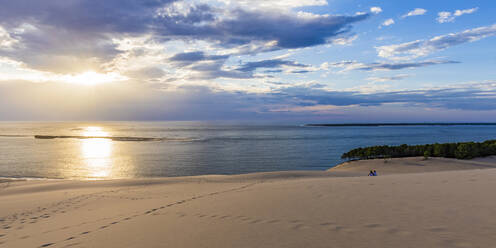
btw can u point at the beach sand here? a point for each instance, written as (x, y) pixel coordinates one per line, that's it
(412, 203)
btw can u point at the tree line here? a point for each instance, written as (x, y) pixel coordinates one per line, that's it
(461, 150)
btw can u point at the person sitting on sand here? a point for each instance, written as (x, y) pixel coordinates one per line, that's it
(371, 173)
(374, 173)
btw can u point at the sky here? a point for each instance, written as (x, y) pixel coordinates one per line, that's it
(332, 61)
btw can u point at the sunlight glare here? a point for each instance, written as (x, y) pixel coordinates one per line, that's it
(94, 132)
(97, 152)
(92, 78)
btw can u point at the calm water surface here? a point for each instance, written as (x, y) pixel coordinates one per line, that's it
(194, 148)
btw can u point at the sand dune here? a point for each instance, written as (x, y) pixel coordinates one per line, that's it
(451, 206)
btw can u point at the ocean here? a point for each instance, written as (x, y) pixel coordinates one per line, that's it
(111, 150)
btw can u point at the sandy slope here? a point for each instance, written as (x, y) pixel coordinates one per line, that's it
(284, 209)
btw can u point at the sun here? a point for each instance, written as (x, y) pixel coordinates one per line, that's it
(93, 78)
(94, 132)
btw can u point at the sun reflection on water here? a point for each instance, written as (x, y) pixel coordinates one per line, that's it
(97, 152)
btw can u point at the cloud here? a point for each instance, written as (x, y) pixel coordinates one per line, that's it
(216, 69)
(289, 31)
(76, 36)
(6, 40)
(446, 16)
(420, 48)
(274, 4)
(472, 96)
(465, 11)
(72, 36)
(344, 41)
(400, 66)
(353, 65)
(189, 58)
(388, 78)
(376, 10)
(146, 73)
(270, 63)
(415, 12)
(387, 22)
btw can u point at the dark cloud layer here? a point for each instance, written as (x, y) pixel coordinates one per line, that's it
(353, 65)
(184, 59)
(270, 63)
(289, 31)
(466, 97)
(87, 16)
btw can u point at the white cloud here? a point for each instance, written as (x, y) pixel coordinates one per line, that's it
(465, 11)
(420, 48)
(446, 16)
(349, 65)
(415, 12)
(344, 41)
(387, 22)
(376, 10)
(269, 4)
(388, 78)
(6, 40)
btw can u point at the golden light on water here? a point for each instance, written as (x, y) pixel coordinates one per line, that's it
(97, 152)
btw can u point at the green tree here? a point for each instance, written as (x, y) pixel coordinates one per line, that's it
(462, 151)
(427, 154)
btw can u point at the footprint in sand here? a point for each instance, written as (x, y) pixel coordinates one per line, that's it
(396, 231)
(342, 229)
(300, 227)
(372, 225)
(327, 224)
(376, 226)
(245, 219)
(255, 221)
